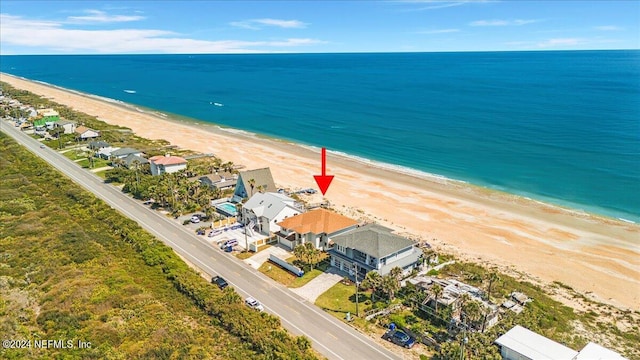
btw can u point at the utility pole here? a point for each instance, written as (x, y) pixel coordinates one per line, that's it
(355, 266)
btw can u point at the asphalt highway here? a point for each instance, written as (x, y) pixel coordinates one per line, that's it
(329, 336)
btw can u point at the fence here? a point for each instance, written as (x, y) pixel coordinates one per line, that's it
(294, 269)
(377, 312)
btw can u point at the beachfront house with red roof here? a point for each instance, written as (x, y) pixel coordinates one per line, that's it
(166, 164)
(316, 226)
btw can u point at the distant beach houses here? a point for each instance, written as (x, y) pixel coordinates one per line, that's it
(85, 133)
(166, 164)
(46, 117)
(373, 247)
(252, 181)
(220, 180)
(316, 226)
(263, 211)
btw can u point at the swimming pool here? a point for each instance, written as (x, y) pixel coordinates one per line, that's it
(227, 208)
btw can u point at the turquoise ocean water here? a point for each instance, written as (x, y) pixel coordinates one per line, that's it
(561, 126)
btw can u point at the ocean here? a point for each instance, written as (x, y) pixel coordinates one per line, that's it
(557, 126)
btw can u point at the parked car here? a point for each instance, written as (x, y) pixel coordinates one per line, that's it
(232, 243)
(253, 303)
(41, 146)
(222, 283)
(200, 231)
(195, 219)
(400, 338)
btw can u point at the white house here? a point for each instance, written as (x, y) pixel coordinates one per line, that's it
(593, 351)
(316, 226)
(69, 126)
(266, 210)
(520, 343)
(124, 152)
(373, 248)
(85, 133)
(166, 164)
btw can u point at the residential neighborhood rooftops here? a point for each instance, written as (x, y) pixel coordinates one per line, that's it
(593, 351)
(373, 239)
(534, 346)
(317, 221)
(97, 144)
(167, 160)
(124, 151)
(131, 158)
(268, 204)
(82, 129)
(259, 178)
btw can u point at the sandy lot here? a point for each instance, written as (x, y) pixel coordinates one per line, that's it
(595, 255)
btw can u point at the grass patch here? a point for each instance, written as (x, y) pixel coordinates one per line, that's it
(340, 299)
(244, 255)
(304, 279)
(102, 173)
(277, 273)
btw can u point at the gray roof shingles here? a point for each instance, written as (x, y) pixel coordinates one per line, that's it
(373, 239)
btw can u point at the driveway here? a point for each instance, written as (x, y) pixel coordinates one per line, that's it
(261, 257)
(319, 285)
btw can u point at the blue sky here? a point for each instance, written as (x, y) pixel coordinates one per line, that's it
(96, 27)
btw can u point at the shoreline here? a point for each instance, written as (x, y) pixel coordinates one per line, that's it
(594, 254)
(581, 210)
(536, 199)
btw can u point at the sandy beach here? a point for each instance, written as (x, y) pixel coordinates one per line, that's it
(597, 256)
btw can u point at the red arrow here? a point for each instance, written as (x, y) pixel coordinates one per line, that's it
(323, 180)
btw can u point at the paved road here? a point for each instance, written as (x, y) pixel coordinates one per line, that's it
(329, 336)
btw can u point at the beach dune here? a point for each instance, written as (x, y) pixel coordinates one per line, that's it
(595, 255)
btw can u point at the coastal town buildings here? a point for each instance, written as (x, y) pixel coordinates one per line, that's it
(252, 181)
(166, 164)
(317, 226)
(373, 248)
(85, 133)
(68, 126)
(263, 211)
(220, 180)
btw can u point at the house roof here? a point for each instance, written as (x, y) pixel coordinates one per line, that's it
(268, 205)
(82, 129)
(534, 346)
(262, 177)
(125, 151)
(167, 160)
(373, 239)
(96, 144)
(593, 351)
(63, 122)
(47, 112)
(132, 157)
(317, 221)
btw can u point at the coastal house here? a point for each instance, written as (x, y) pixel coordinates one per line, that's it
(593, 351)
(99, 144)
(124, 152)
(166, 164)
(373, 248)
(132, 160)
(68, 126)
(252, 181)
(84, 133)
(520, 343)
(46, 117)
(317, 226)
(221, 181)
(263, 211)
(105, 152)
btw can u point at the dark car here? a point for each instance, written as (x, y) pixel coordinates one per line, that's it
(222, 283)
(399, 337)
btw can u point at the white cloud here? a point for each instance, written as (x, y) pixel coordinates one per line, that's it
(441, 4)
(98, 16)
(46, 37)
(257, 24)
(560, 42)
(608, 28)
(516, 22)
(439, 31)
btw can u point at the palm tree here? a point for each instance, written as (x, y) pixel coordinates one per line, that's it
(390, 285)
(372, 281)
(436, 289)
(396, 273)
(252, 183)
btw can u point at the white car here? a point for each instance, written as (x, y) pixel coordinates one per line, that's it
(253, 303)
(195, 219)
